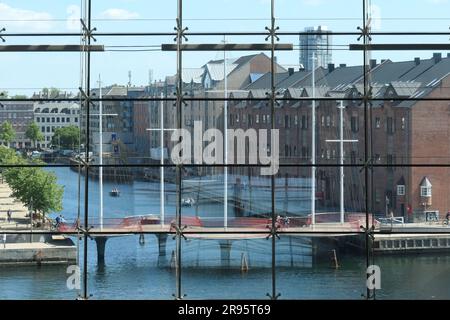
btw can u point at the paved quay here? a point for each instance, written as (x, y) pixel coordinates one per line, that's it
(20, 220)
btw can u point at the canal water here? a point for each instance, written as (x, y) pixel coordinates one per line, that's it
(134, 271)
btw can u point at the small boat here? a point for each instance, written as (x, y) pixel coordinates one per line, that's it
(114, 193)
(187, 202)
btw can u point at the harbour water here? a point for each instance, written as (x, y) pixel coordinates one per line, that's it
(134, 271)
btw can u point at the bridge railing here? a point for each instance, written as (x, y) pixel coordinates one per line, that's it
(391, 220)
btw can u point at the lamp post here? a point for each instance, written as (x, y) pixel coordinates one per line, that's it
(341, 142)
(313, 142)
(225, 129)
(161, 130)
(100, 147)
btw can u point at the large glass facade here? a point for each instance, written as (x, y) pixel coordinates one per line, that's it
(277, 149)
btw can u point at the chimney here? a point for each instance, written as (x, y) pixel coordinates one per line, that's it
(342, 65)
(290, 71)
(437, 57)
(330, 67)
(417, 61)
(373, 63)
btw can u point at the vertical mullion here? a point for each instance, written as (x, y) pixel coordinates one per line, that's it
(272, 110)
(366, 141)
(86, 166)
(179, 92)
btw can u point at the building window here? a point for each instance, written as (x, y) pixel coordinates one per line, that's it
(257, 118)
(304, 123)
(57, 119)
(390, 125)
(377, 123)
(38, 119)
(401, 190)
(286, 121)
(328, 121)
(296, 120)
(305, 152)
(425, 191)
(354, 124)
(403, 123)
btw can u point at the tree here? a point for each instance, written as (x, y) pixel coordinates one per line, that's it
(34, 133)
(33, 186)
(66, 137)
(19, 96)
(36, 188)
(7, 132)
(51, 93)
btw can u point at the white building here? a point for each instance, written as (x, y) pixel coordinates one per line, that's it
(52, 115)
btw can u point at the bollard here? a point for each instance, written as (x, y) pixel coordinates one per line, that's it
(244, 262)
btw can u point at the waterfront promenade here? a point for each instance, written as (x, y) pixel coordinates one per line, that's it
(19, 219)
(25, 249)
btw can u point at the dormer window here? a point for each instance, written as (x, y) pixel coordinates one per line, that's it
(425, 192)
(425, 188)
(401, 190)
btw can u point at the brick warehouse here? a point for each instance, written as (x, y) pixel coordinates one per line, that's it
(404, 132)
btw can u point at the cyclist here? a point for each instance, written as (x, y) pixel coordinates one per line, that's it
(447, 218)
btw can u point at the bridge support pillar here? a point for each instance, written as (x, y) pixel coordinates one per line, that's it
(101, 245)
(225, 252)
(162, 240)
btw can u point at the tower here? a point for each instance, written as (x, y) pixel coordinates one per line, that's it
(318, 41)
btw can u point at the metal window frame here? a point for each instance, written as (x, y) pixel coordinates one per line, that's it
(272, 34)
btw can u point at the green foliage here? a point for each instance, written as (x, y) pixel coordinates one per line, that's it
(34, 187)
(19, 96)
(7, 132)
(51, 93)
(67, 137)
(34, 133)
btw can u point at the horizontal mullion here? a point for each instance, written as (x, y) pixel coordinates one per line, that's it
(281, 165)
(268, 99)
(222, 33)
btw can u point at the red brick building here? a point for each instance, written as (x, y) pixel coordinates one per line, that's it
(405, 130)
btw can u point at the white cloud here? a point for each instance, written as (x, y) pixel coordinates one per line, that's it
(25, 20)
(73, 20)
(119, 14)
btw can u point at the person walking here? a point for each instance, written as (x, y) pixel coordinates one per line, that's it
(9, 215)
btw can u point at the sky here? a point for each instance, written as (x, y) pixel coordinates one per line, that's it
(26, 73)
